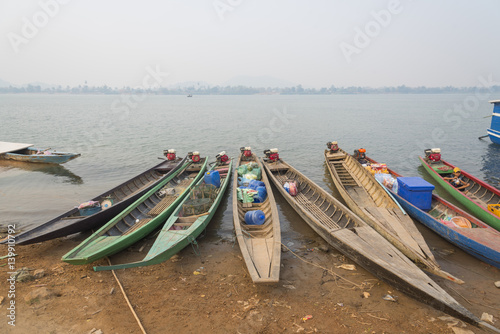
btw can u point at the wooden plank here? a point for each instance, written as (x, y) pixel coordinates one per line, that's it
(261, 256)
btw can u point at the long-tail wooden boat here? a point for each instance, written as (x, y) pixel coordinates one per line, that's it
(370, 201)
(183, 226)
(479, 197)
(140, 218)
(479, 240)
(117, 199)
(351, 236)
(27, 153)
(260, 245)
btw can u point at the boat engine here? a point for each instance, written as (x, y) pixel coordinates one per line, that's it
(333, 146)
(247, 151)
(272, 154)
(194, 156)
(360, 155)
(433, 155)
(170, 154)
(222, 157)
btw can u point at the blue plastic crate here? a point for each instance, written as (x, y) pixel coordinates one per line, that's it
(417, 191)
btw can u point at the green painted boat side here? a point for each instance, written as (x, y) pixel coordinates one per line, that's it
(99, 245)
(475, 208)
(170, 242)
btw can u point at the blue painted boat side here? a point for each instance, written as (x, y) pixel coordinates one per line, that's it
(472, 247)
(494, 130)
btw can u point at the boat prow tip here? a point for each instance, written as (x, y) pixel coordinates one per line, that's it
(490, 327)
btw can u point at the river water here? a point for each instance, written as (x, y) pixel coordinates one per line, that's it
(120, 136)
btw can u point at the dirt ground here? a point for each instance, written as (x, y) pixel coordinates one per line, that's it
(171, 298)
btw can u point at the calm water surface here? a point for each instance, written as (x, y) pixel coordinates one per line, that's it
(120, 137)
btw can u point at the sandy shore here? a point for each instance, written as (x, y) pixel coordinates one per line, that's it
(314, 294)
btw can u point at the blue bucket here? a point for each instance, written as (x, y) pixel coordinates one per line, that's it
(213, 178)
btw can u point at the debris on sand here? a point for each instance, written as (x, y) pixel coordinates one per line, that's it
(487, 317)
(347, 266)
(389, 298)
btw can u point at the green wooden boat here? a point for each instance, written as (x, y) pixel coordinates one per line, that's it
(140, 218)
(479, 198)
(184, 225)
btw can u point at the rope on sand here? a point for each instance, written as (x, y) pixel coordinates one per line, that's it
(127, 300)
(321, 267)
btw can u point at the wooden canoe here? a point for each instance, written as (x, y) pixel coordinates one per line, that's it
(140, 218)
(33, 154)
(121, 197)
(481, 240)
(350, 235)
(370, 201)
(260, 245)
(181, 229)
(476, 197)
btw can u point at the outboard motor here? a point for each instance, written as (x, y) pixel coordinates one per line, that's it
(272, 154)
(247, 151)
(433, 155)
(360, 155)
(194, 156)
(333, 146)
(222, 157)
(170, 154)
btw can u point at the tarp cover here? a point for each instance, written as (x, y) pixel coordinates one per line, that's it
(6, 147)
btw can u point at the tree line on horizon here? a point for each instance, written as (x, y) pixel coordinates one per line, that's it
(244, 90)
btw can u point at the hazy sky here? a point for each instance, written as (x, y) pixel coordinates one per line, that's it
(313, 43)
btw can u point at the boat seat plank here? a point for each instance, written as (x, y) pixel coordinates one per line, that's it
(137, 225)
(186, 224)
(189, 219)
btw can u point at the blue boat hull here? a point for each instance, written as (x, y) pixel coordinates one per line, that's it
(470, 246)
(494, 130)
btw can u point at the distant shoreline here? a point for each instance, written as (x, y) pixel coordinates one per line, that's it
(244, 90)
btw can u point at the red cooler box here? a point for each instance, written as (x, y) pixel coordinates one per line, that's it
(417, 191)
